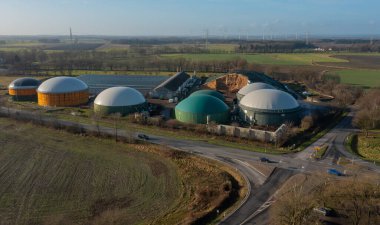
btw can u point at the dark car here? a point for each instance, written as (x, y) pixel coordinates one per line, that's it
(263, 159)
(143, 136)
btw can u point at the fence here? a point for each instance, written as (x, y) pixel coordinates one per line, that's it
(251, 134)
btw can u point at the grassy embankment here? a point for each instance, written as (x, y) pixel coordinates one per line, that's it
(352, 198)
(367, 148)
(61, 178)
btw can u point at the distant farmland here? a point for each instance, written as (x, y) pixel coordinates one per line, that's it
(365, 78)
(270, 59)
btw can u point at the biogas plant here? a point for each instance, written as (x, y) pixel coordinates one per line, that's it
(246, 100)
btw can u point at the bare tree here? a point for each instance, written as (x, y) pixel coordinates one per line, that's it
(307, 122)
(294, 207)
(368, 116)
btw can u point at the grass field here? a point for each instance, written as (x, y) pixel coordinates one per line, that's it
(54, 177)
(273, 59)
(77, 179)
(369, 147)
(365, 78)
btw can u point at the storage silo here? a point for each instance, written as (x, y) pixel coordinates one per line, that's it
(269, 107)
(252, 87)
(200, 109)
(123, 100)
(214, 93)
(24, 89)
(62, 91)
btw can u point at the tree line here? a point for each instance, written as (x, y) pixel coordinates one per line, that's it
(39, 62)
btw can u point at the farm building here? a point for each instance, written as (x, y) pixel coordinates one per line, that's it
(252, 87)
(269, 107)
(24, 89)
(123, 100)
(168, 89)
(62, 91)
(209, 92)
(201, 109)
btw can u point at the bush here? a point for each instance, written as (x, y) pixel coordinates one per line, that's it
(307, 122)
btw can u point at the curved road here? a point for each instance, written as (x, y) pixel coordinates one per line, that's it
(261, 188)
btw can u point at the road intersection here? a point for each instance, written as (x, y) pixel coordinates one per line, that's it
(261, 188)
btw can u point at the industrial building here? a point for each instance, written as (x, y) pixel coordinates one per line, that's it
(202, 109)
(24, 89)
(62, 91)
(123, 100)
(209, 92)
(269, 107)
(252, 87)
(170, 87)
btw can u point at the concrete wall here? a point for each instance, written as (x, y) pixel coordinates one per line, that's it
(251, 134)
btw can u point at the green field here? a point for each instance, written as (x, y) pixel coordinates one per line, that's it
(62, 177)
(54, 177)
(369, 148)
(365, 78)
(273, 59)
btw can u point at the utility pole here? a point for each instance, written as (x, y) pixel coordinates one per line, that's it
(206, 39)
(71, 36)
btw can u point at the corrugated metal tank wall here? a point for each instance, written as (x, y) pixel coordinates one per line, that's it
(63, 99)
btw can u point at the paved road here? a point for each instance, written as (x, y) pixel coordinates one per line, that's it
(335, 139)
(253, 209)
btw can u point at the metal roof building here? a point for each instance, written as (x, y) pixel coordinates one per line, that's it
(214, 93)
(201, 109)
(24, 89)
(62, 91)
(269, 107)
(169, 87)
(252, 87)
(123, 100)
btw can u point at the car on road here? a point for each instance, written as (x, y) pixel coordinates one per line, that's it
(143, 136)
(335, 172)
(264, 159)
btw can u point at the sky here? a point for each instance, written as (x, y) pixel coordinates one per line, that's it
(189, 17)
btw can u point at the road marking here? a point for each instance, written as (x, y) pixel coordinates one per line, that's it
(263, 207)
(250, 166)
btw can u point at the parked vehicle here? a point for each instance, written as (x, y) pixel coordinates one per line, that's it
(335, 172)
(143, 136)
(264, 159)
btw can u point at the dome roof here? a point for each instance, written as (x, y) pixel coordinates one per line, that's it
(57, 85)
(210, 92)
(119, 96)
(203, 104)
(24, 83)
(269, 99)
(254, 87)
